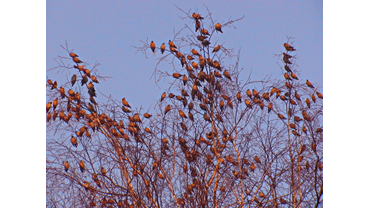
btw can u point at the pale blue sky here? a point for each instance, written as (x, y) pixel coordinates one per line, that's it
(105, 31)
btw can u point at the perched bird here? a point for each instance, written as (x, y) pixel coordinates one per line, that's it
(176, 75)
(197, 25)
(204, 31)
(257, 159)
(74, 141)
(184, 79)
(286, 67)
(195, 52)
(163, 47)
(319, 95)
(194, 65)
(183, 126)
(77, 60)
(281, 116)
(249, 93)
(66, 166)
(82, 166)
(73, 79)
(55, 103)
(103, 171)
(125, 103)
(286, 58)
(163, 96)
(255, 93)
(84, 80)
(216, 48)
(94, 79)
(197, 16)
(288, 47)
(170, 43)
(252, 167)
(239, 97)
(294, 76)
(308, 83)
(152, 46)
(308, 103)
(182, 114)
(48, 106)
(287, 76)
(168, 108)
(73, 55)
(227, 75)
(248, 103)
(269, 107)
(218, 27)
(147, 115)
(313, 98)
(297, 96)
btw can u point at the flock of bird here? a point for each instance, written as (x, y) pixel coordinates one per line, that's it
(203, 77)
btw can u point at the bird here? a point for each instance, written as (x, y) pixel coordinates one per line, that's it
(82, 166)
(176, 75)
(297, 96)
(308, 102)
(163, 47)
(218, 27)
(269, 107)
(74, 141)
(197, 16)
(197, 25)
(257, 159)
(168, 108)
(248, 103)
(170, 43)
(195, 65)
(84, 80)
(308, 83)
(184, 79)
(183, 126)
(281, 116)
(294, 76)
(319, 95)
(152, 46)
(73, 79)
(287, 76)
(73, 55)
(313, 98)
(147, 115)
(125, 103)
(286, 67)
(182, 114)
(94, 79)
(204, 31)
(55, 103)
(195, 52)
(163, 96)
(216, 48)
(77, 60)
(227, 75)
(66, 166)
(48, 106)
(103, 171)
(238, 96)
(249, 93)
(288, 47)
(286, 59)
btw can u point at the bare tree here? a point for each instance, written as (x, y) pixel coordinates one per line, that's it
(213, 141)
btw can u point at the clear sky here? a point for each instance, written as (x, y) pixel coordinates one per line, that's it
(105, 31)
